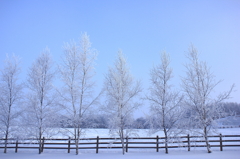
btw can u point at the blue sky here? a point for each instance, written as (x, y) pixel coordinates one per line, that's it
(142, 29)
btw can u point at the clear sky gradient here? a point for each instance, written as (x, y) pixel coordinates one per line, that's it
(142, 29)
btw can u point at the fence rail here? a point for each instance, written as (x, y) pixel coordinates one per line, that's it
(130, 143)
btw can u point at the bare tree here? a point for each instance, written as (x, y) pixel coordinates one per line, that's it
(10, 95)
(165, 103)
(40, 110)
(198, 85)
(121, 90)
(77, 71)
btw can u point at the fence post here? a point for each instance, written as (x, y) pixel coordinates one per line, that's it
(97, 144)
(69, 143)
(43, 144)
(157, 146)
(221, 148)
(188, 137)
(16, 148)
(127, 144)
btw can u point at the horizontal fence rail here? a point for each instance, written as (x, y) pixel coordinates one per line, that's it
(98, 143)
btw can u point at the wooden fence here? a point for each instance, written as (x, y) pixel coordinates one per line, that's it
(98, 143)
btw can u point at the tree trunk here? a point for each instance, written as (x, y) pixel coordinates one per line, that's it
(7, 130)
(77, 136)
(166, 141)
(166, 145)
(40, 143)
(206, 140)
(6, 141)
(76, 142)
(122, 140)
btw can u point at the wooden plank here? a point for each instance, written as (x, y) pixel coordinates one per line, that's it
(230, 140)
(231, 136)
(231, 145)
(140, 138)
(48, 143)
(142, 147)
(141, 142)
(55, 148)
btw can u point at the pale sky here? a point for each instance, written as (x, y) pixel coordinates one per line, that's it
(142, 29)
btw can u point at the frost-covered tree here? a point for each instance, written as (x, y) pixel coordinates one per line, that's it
(77, 71)
(10, 95)
(121, 91)
(198, 85)
(166, 111)
(40, 111)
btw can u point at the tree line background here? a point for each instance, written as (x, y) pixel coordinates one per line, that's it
(100, 121)
(38, 106)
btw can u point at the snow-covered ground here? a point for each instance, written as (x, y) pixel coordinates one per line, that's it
(179, 153)
(173, 154)
(143, 133)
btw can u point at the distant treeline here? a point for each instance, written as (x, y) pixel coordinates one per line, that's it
(100, 120)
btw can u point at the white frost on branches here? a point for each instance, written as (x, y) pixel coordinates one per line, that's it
(121, 93)
(198, 85)
(166, 111)
(10, 95)
(77, 71)
(40, 110)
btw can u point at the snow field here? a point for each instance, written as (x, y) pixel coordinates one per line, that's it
(173, 154)
(92, 133)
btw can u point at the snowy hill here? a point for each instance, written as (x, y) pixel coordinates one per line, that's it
(231, 121)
